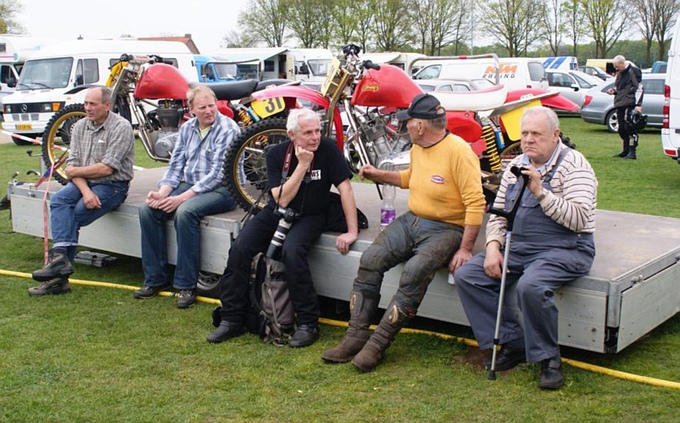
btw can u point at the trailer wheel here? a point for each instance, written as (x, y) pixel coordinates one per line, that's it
(208, 284)
(57, 137)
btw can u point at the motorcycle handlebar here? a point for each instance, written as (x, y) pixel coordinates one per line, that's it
(370, 65)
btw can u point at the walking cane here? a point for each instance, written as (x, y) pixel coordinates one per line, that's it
(510, 217)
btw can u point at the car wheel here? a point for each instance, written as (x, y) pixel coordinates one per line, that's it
(208, 285)
(612, 121)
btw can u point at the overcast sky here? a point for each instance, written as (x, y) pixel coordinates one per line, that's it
(207, 21)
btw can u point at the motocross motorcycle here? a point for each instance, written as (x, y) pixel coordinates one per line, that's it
(369, 95)
(151, 94)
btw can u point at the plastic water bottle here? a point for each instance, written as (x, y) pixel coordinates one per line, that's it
(387, 210)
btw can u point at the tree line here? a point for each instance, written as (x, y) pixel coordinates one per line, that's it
(452, 27)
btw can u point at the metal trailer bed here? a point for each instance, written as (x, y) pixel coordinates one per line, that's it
(633, 287)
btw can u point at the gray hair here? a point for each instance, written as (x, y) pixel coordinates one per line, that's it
(105, 93)
(619, 59)
(199, 89)
(297, 115)
(438, 123)
(549, 115)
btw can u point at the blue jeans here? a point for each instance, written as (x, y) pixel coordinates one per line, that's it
(187, 226)
(68, 212)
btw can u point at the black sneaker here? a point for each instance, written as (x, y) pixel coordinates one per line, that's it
(551, 374)
(147, 292)
(186, 298)
(53, 286)
(58, 266)
(508, 357)
(304, 336)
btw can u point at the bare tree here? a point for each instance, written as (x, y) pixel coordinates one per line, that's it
(513, 23)
(606, 20)
(266, 20)
(439, 23)
(364, 11)
(235, 39)
(8, 12)
(667, 14)
(392, 25)
(345, 17)
(305, 23)
(573, 20)
(553, 27)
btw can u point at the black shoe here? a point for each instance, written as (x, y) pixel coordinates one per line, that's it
(304, 336)
(508, 357)
(621, 154)
(53, 286)
(147, 292)
(187, 298)
(551, 374)
(58, 266)
(226, 330)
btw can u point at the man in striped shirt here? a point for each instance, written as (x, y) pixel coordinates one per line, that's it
(192, 188)
(552, 244)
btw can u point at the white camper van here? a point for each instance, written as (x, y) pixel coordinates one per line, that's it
(51, 73)
(14, 50)
(311, 63)
(670, 129)
(400, 60)
(513, 72)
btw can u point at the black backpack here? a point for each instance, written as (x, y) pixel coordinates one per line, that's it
(270, 312)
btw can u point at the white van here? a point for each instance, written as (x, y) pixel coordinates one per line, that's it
(400, 60)
(670, 129)
(14, 50)
(311, 63)
(51, 75)
(513, 72)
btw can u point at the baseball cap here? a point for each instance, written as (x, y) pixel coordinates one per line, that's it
(423, 106)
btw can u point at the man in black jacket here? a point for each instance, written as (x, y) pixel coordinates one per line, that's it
(628, 93)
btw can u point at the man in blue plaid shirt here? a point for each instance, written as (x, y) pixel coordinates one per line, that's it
(192, 187)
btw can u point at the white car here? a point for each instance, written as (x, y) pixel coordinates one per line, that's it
(571, 84)
(430, 85)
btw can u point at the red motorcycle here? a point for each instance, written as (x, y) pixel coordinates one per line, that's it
(152, 95)
(369, 95)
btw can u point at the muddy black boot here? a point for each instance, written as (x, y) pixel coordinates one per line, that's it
(393, 320)
(362, 306)
(632, 147)
(55, 286)
(58, 266)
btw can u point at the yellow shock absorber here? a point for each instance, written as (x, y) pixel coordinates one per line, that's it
(244, 117)
(491, 148)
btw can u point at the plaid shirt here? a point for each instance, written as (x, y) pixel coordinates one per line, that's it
(111, 143)
(200, 162)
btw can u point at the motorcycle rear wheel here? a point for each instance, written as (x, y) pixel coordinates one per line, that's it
(245, 164)
(57, 136)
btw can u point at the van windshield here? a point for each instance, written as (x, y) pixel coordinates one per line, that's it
(319, 66)
(46, 73)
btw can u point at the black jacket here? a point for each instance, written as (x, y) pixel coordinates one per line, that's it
(628, 87)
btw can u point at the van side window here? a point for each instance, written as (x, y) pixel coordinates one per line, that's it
(430, 72)
(536, 71)
(90, 71)
(5, 73)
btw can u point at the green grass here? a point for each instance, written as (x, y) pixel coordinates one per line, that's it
(98, 355)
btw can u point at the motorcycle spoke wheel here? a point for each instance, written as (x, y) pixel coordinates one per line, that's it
(57, 137)
(246, 162)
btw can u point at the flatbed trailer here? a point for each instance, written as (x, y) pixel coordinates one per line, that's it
(633, 287)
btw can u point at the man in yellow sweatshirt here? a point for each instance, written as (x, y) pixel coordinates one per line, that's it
(446, 207)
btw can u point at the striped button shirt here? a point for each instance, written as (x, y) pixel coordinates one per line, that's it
(571, 203)
(200, 161)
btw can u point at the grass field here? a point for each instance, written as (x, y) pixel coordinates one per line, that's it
(98, 355)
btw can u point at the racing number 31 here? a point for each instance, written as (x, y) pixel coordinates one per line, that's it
(268, 107)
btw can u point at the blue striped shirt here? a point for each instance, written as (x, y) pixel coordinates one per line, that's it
(200, 162)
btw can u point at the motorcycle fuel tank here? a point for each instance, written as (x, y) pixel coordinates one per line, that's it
(161, 81)
(389, 86)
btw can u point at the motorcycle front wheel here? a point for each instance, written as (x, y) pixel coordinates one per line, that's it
(57, 137)
(245, 164)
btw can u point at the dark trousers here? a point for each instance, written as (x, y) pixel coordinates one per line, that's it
(255, 237)
(625, 129)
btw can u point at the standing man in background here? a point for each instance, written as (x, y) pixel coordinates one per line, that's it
(628, 93)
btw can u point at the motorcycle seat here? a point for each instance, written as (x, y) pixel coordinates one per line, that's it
(233, 90)
(486, 99)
